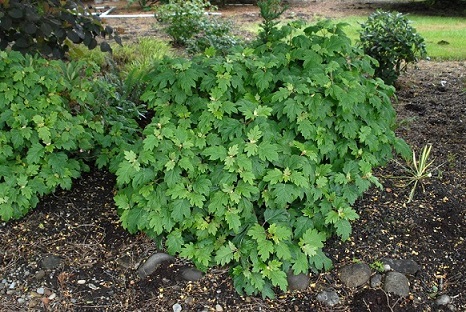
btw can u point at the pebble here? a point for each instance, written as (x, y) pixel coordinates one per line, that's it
(191, 274)
(376, 280)
(443, 300)
(355, 275)
(177, 307)
(218, 308)
(397, 283)
(39, 275)
(328, 297)
(81, 282)
(298, 282)
(21, 300)
(40, 290)
(12, 285)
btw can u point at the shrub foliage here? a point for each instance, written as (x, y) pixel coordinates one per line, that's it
(49, 27)
(53, 117)
(254, 159)
(393, 42)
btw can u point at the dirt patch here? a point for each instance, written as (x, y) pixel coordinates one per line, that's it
(71, 254)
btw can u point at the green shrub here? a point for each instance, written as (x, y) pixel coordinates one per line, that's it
(393, 42)
(254, 159)
(188, 26)
(55, 117)
(49, 27)
(213, 33)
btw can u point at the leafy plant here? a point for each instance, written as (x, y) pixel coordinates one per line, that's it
(377, 266)
(186, 23)
(52, 119)
(418, 170)
(213, 33)
(49, 27)
(389, 38)
(182, 18)
(270, 11)
(253, 159)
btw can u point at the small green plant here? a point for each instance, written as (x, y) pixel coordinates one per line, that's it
(418, 170)
(389, 38)
(377, 266)
(270, 11)
(50, 27)
(189, 26)
(213, 33)
(253, 159)
(182, 18)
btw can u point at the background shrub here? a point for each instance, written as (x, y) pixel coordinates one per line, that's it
(393, 42)
(254, 159)
(188, 26)
(49, 27)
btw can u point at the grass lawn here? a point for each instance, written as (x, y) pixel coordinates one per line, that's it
(445, 36)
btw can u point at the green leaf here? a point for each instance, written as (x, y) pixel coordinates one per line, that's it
(215, 152)
(311, 242)
(225, 254)
(267, 151)
(233, 220)
(181, 209)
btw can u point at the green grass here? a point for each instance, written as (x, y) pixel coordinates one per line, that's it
(433, 29)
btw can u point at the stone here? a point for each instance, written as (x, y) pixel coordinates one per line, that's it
(405, 266)
(177, 307)
(50, 262)
(443, 300)
(355, 275)
(298, 282)
(397, 284)
(40, 290)
(39, 275)
(376, 280)
(191, 274)
(328, 297)
(218, 308)
(151, 264)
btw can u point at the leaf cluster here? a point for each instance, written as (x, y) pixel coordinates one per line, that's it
(188, 25)
(50, 27)
(54, 117)
(389, 38)
(254, 159)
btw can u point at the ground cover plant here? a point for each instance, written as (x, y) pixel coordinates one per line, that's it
(80, 228)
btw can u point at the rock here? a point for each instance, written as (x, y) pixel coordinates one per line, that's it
(397, 284)
(39, 275)
(191, 274)
(328, 297)
(405, 266)
(298, 282)
(218, 308)
(40, 290)
(376, 280)
(177, 307)
(21, 300)
(443, 300)
(354, 275)
(12, 285)
(50, 262)
(81, 282)
(153, 263)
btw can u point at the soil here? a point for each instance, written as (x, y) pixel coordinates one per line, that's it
(71, 254)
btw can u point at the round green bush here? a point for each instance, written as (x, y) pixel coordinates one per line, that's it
(254, 159)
